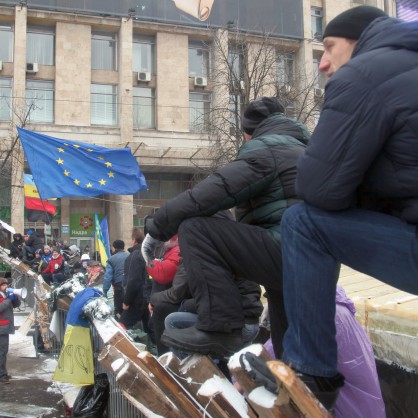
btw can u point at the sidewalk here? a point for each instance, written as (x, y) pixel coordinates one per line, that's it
(31, 392)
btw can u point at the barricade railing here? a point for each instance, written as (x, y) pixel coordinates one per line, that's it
(118, 405)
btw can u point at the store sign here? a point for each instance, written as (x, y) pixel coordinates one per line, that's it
(82, 224)
(278, 17)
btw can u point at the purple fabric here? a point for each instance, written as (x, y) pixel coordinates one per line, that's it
(361, 395)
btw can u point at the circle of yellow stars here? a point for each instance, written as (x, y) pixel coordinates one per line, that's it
(102, 182)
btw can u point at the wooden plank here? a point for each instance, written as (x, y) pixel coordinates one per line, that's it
(170, 386)
(303, 398)
(265, 403)
(146, 362)
(149, 397)
(27, 323)
(211, 388)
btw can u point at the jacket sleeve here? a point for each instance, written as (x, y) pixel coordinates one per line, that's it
(178, 292)
(164, 271)
(228, 186)
(48, 268)
(351, 132)
(108, 276)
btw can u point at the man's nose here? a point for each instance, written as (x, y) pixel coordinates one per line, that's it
(324, 63)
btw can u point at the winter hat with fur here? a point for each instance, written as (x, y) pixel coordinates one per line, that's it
(3, 281)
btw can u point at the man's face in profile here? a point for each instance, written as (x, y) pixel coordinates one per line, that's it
(337, 52)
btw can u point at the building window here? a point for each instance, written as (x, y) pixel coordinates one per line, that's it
(199, 112)
(198, 59)
(235, 111)
(144, 108)
(285, 63)
(164, 186)
(143, 53)
(316, 23)
(5, 98)
(40, 101)
(6, 42)
(40, 45)
(320, 78)
(235, 64)
(103, 51)
(103, 104)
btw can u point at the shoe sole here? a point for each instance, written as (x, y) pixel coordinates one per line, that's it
(207, 348)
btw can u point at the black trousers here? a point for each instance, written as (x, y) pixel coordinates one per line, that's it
(214, 252)
(118, 295)
(161, 311)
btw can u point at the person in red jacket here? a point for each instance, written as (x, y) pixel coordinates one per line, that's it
(8, 301)
(164, 269)
(54, 271)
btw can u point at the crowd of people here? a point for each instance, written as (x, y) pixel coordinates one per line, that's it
(285, 214)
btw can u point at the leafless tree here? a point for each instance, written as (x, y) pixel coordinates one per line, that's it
(247, 67)
(11, 154)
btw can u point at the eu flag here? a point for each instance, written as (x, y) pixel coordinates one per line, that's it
(70, 168)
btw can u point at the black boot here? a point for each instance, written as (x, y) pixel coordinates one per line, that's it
(193, 340)
(325, 389)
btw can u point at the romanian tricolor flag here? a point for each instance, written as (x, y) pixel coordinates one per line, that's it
(37, 209)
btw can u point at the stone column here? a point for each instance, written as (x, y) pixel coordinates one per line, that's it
(120, 208)
(65, 217)
(17, 199)
(172, 82)
(72, 74)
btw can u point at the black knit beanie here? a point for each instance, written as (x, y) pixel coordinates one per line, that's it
(351, 23)
(258, 110)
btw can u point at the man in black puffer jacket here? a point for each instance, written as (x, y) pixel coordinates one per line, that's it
(260, 184)
(358, 178)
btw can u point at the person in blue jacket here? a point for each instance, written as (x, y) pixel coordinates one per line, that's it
(358, 178)
(115, 275)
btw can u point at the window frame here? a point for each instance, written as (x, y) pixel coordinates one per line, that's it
(136, 107)
(34, 57)
(205, 60)
(100, 120)
(37, 112)
(144, 40)
(285, 68)
(99, 37)
(7, 27)
(205, 113)
(317, 22)
(3, 98)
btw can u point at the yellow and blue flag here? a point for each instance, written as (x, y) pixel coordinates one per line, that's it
(105, 232)
(70, 168)
(100, 241)
(75, 364)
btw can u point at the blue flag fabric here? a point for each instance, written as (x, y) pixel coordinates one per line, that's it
(70, 168)
(105, 232)
(74, 316)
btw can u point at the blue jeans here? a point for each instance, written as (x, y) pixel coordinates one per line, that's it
(314, 243)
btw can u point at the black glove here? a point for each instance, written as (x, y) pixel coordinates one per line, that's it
(257, 369)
